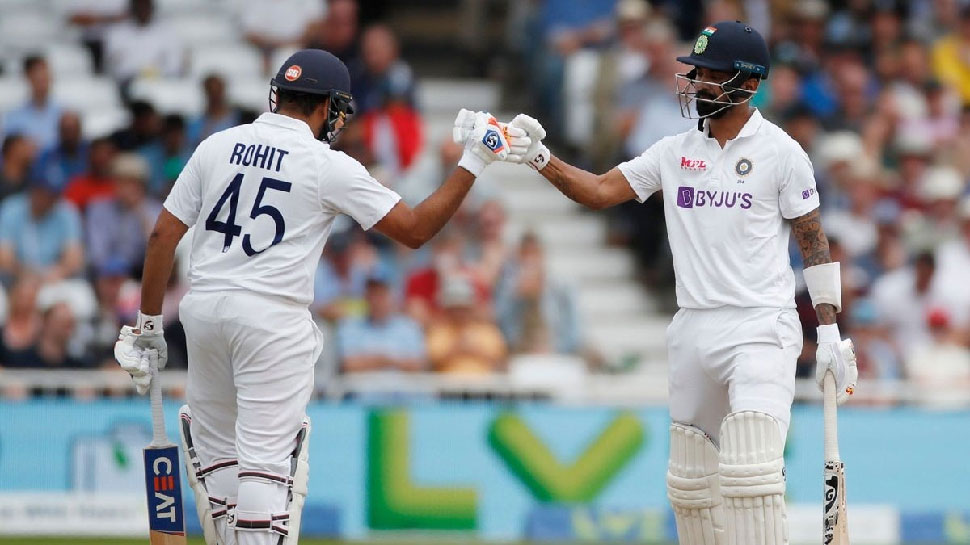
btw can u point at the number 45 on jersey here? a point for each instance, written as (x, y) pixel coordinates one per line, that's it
(229, 228)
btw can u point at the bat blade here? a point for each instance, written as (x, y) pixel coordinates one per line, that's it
(163, 486)
(836, 527)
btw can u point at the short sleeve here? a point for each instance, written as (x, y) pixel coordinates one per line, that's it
(350, 189)
(185, 199)
(643, 172)
(797, 195)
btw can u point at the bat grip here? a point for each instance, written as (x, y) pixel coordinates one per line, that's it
(829, 412)
(158, 416)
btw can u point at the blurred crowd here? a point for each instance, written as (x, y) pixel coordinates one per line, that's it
(75, 212)
(876, 91)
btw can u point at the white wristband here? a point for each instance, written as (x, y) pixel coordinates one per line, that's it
(472, 163)
(828, 333)
(824, 283)
(541, 159)
(149, 325)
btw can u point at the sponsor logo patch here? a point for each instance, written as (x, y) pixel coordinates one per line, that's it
(688, 197)
(693, 164)
(293, 73)
(808, 193)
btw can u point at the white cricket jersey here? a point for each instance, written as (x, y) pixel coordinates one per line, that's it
(264, 196)
(726, 209)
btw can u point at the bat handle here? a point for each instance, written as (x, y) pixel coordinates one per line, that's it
(158, 416)
(829, 412)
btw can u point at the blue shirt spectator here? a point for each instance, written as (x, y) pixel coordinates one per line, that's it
(118, 227)
(218, 115)
(382, 76)
(383, 340)
(69, 156)
(38, 118)
(40, 232)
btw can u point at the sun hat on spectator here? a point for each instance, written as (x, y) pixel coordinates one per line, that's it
(130, 166)
(839, 147)
(456, 291)
(941, 183)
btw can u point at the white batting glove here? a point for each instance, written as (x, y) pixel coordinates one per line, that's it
(537, 155)
(486, 143)
(136, 361)
(148, 334)
(518, 141)
(836, 355)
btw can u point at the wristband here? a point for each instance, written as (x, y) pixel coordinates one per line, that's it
(148, 324)
(824, 283)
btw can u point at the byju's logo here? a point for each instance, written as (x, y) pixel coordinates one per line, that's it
(687, 197)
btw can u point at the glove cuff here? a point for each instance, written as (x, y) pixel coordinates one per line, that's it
(829, 333)
(148, 324)
(472, 163)
(541, 159)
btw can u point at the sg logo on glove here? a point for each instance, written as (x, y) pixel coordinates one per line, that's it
(492, 141)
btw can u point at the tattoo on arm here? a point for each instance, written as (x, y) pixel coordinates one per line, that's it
(814, 246)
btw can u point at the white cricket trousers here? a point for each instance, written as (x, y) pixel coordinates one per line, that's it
(250, 377)
(732, 359)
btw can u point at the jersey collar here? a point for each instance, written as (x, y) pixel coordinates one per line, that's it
(286, 122)
(750, 127)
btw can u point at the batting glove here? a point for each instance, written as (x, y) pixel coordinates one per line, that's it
(136, 361)
(836, 355)
(148, 334)
(537, 155)
(468, 131)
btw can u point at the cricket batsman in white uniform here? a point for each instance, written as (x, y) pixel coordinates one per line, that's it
(734, 189)
(263, 198)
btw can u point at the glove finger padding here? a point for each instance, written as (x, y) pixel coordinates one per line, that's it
(537, 156)
(136, 361)
(847, 350)
(839, 357)
(464, 125)
(531, 126)
(519, 143)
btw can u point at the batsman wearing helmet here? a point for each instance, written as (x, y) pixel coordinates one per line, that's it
(734, 190)
(263, 198)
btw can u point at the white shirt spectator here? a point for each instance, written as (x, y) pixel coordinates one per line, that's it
(279, 20)
(133, 50)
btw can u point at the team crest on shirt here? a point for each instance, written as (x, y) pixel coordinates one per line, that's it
(743, 167)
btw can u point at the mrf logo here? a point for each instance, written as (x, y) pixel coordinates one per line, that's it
(688, 197)
(693, 164)
(492, 141)
(164, 488)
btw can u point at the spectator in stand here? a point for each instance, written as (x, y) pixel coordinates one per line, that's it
(942, 366)
(460, 341)
(144, 128)
(40, 233)
(96, 182)
(384, 92)
(940, 193)
(854, 225)
(950, 63)
(69, 157)
(490, 251)
(118, 227)
(953, 257)
(50, 351)
(37, 119)
(536, 315)
(218, 114)
(348, 260)
(383, 339)
(22, 328)
(914, 153)
(95, 17)
(167, 156)
(17, 154)
(876, 356)
(383, 76)
(272, 24)
(98, 334)
(423, 286)
(141, 46)
(337, 33)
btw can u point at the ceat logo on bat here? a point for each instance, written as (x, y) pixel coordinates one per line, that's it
(293, 73)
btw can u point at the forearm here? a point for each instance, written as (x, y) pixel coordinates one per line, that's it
(159, 258)
(577, 184)
(814, 247)
(435, 211)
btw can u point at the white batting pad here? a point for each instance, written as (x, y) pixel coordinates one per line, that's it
(692, 486)
(753, 480)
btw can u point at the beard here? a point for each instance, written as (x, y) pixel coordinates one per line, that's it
(710, 110)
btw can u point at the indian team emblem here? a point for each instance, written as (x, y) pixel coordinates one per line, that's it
(701, 44)
(743, 167)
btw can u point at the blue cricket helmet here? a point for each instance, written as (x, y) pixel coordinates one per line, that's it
(731, 46)
(317, 72)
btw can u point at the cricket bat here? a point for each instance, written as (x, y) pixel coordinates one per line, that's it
(835, 527)
(163, 485)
